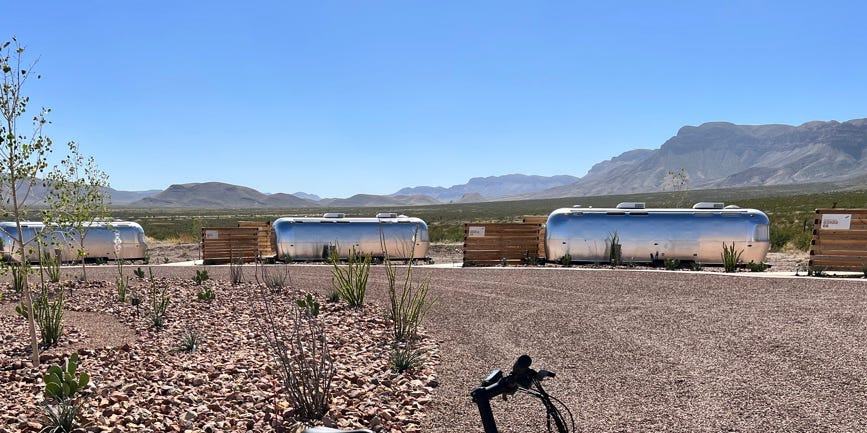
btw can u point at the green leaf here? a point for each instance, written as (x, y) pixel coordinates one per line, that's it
(53, 390)
(83, 379)
(56, 371)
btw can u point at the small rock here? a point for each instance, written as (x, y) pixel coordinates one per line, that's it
(116, 397)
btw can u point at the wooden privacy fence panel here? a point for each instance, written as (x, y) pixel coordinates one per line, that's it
(839, 240)
(224, 244)
(266, 248)
(543, 220)
(490, 244)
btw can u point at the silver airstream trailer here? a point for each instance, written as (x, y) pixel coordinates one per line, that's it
(646, 235)
(312, 238)
(99, 242)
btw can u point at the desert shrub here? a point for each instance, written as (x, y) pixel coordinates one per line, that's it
(121, 282)
(817, 271)
(201, 276)
(48, 316)
(566, 260)
(159, 302)
(23, 310)
(785, 237)
(671, 264)
(756, 267)
(275, 278)
(404, 358)
(408, 300)
(139, 273)
(62, 397)
(236, 271)
(51, 265)
(443, 232)
(206, 294)
(697, 266)
(122, 285)
(50, 320)
(730, 257)
(529, 260)
(333, 296)
(61, 418)
(190, 342)
(613, 249)
(19, 276)
(350, 281)
(299, 344)
(309, 305)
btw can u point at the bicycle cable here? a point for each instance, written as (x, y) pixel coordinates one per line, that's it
(553, 413)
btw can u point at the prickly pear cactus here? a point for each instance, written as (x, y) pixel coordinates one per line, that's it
(310, 306)
(61, 383)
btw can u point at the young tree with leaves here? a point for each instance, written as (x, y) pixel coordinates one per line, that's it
(76, 198)
(22, 158)
(678, 183)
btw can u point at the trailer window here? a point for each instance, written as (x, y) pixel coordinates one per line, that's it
(762, 233)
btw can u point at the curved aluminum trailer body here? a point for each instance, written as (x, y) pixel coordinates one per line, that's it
(298, 238)
(656, 234)
(99, 242)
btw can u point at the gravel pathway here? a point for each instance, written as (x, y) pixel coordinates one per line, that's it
(656, 351)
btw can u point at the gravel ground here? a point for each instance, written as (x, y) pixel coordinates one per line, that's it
(634, 350)
(143, 383)
(640, 351)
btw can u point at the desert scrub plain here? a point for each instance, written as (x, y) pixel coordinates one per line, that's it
(634, 350)
(790, 208)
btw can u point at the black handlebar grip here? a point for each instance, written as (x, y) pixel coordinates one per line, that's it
(522, 364)
(521, 372)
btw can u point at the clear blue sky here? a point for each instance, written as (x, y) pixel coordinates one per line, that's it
(342, 97)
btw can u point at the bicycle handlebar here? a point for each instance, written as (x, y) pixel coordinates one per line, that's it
(522, 377)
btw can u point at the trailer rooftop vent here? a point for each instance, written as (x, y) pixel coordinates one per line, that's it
(732, 206)
(334, 215)
(386, 215)
(708, 205)
(631, 205)
(576, 205)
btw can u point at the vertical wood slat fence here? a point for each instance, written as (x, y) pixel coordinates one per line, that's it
(222, 245)
(491, 244)
(839, 240)
(543, 220)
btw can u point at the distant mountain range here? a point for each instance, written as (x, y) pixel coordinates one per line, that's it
(724, 155)
(491, 187)
(713, 155)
